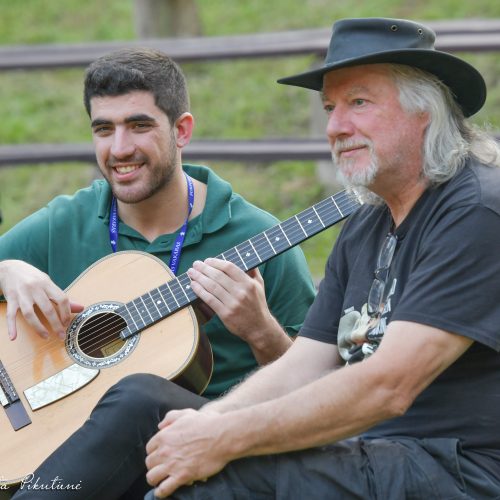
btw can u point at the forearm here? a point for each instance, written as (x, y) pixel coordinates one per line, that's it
(264, 384)
(326, 410)
(290, 371)
(270, 343)
(350, 400)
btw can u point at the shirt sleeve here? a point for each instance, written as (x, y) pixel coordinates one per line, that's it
(28, 241)
(455, 283)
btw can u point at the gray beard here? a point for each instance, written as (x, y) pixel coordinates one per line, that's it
(360, 180)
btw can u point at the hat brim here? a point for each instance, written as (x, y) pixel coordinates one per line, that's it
(465, 82)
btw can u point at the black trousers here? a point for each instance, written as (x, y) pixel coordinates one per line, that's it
(355, 469)
(104, 459)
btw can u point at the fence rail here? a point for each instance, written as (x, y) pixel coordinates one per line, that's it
(476, 35)
(452, 36)
(231, 150)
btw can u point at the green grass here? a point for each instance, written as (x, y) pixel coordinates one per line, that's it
(230, 99)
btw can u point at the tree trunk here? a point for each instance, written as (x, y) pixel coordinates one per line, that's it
(166, 18)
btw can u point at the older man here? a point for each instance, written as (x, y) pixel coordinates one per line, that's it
(391, 389)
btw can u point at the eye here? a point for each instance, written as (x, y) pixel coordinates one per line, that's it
(101, 130)
(142, 126)
(328, 108)
(359, 101)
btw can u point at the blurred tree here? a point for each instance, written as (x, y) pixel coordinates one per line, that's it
(166, 18)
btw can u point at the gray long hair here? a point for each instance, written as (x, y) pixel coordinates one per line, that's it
(449, 138)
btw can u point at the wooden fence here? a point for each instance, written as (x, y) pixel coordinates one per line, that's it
(452, 36)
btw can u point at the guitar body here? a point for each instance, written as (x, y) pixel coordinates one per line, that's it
(173, 348)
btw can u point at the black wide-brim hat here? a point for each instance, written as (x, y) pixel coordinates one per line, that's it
(397, 41)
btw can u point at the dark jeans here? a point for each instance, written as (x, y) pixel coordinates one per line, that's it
(104, 459)
(382, 469)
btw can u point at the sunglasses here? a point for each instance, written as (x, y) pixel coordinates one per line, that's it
(376, 300)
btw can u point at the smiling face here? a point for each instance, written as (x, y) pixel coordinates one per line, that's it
(135, 144)
(373, 140)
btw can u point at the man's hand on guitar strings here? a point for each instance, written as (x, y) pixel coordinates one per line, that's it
(237, 297)
(28, 290)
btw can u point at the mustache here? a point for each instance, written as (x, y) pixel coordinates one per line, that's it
(345, 144)
(113, 162)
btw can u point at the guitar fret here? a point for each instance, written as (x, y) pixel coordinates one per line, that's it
(154, 303)
(281, 228)
(186, 286)
(237, 260)
(167, 297)
(337, 207)
(146, 309)
(263, 248)
(241, 258)
(123, 312)
(255, 251)
(179, 287)
(248, 254)
(279, 243)
(310, 221)
(138, 315)
(158, 302)
(151, 307)
(173, 295)
(318, 216)
(132, 318)
(301, 227)
(270, 244)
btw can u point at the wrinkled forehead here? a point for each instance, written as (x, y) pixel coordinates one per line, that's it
(370, 79)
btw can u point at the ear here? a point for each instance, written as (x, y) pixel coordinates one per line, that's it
(184, 126)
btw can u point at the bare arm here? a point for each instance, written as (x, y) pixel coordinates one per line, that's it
(340, 404)
(27, 290)
(289, 372)
(351, 400)
(239, 299)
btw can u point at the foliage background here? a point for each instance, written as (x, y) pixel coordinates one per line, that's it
(236, 99)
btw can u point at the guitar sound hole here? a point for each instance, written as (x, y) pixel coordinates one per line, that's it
(99, 335)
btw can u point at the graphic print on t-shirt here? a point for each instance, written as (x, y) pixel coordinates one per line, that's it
(354, 327)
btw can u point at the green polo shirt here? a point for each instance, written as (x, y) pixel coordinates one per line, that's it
(71, 233)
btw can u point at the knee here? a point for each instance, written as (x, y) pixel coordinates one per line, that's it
(142, 395)
(137, 396)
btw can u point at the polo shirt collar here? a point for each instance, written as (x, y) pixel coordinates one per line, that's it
(217, 210)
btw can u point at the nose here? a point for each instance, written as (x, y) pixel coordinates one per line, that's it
(122, 145)
(339, 124)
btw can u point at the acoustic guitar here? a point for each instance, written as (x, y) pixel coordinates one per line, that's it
(140, 320)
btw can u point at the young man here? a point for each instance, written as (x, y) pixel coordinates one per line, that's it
(409, 301)
(138, 104)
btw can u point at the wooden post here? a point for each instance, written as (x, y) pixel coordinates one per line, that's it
(166, 18)
(325, 171)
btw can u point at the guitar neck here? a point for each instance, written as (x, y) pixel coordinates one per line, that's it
(160, 302)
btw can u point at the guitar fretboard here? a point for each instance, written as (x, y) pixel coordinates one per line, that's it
(168, 298)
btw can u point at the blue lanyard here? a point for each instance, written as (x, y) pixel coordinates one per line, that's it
(179, 241)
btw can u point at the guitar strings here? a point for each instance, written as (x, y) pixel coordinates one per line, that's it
(107, 330)
(102, 327)
(102, 332)
(115, 321)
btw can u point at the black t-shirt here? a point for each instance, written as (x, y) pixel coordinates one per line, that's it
(445, 273)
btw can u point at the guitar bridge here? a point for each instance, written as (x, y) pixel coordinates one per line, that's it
(11, 403)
